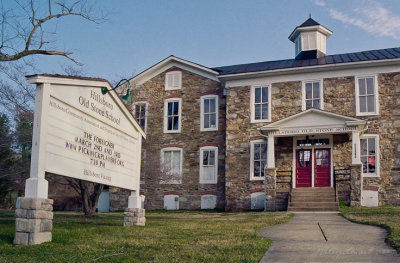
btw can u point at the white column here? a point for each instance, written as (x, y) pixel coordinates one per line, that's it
(355, 157)
(134, 200)
(37, 186)
(271, 152)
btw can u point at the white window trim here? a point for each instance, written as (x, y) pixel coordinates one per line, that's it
(303, 93)
(252, 99)
(166, 115)
(202, 98)
(172, 74)
(377, 156)
(146, 113)
(376, 91)
(205, 148)
(252, 177)
(180, 168)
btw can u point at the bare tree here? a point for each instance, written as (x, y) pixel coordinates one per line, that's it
(28, 28)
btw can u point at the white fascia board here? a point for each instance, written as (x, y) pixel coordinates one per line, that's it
(174, 61)
(37, 79)
(312, 72)
(66, 81)
(318, 28)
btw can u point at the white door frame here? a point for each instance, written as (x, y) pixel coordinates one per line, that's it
(295, 148)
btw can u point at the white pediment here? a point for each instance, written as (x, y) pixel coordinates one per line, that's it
(313, 121)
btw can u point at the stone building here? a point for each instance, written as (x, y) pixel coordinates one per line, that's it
(223, 137)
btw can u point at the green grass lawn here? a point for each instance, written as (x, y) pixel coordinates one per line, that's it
(178, 236)
(387, 217)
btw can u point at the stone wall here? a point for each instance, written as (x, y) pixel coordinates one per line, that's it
(190, 139)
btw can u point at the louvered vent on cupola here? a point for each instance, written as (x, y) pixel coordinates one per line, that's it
(310, 39)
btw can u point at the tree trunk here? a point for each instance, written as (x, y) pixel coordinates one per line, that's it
(90, 193)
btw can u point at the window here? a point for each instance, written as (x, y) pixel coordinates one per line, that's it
(369, 146)
(312, 95)
(257, 201)
(366, 96)
(140, 113)
(171, 202)
(208, 202)
(209, 113)
(173, 80)
(258, 159)
(260, 103)
(208, 165)
(171, 159)
(172, 115)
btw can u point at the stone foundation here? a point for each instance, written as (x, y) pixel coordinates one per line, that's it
(33, 221)
(134, 217)
(270, 174)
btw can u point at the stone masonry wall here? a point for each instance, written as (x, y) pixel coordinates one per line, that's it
(190, 139)
(339, 97)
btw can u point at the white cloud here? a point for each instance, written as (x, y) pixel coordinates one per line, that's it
(319, 3)
(371, 17)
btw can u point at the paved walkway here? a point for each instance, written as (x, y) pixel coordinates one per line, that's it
(326, 237)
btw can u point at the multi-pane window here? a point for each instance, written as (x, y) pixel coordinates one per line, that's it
(209, 113)
(140, 113)
(258, 153)
(369, 156)
(173, 80)
(367, 97)
(260, 103)
(171, 166)
(172, 115)
(208, 165)
(312, 95)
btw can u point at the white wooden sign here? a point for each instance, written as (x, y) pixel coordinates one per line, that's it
(87, 135)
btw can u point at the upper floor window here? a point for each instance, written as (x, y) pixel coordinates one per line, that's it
(172, 115)
(312, 95)
(140, 113)
(258, 159)
(208, 165)
(369, 146)
(260, 103)
(209, 113)
(171, 160)
(173, 80)
(366, 96)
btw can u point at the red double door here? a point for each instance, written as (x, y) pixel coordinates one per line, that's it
(322, 167)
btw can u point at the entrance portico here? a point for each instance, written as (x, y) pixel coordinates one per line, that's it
(313, 156)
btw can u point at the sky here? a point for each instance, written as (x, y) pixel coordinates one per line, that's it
(138, 34)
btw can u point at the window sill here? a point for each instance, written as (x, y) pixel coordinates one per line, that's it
(167, 89)
(209, 129)
(367, 114)
(256, 178)
(370, 175)
(260, 121)
(172, 131)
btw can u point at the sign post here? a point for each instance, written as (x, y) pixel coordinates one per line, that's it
(80, 133)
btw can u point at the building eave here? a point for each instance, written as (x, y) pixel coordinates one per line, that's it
(285, 71)
(170, 62)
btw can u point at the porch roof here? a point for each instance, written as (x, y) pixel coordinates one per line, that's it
(313, 121)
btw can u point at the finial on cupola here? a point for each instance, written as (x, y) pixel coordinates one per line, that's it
(310, 39)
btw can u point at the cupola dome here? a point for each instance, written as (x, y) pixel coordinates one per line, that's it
(310, 39)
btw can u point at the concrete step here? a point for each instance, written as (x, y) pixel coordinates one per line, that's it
(313, 204)
(312, 209)
(329, 198)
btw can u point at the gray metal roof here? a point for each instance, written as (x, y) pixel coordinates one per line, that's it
(371, 55)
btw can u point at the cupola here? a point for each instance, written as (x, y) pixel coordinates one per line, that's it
(310, 39)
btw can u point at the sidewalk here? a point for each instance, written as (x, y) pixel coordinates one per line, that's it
(326, 237)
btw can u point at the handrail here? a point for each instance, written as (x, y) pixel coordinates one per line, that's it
(336, 172)
(286, 173)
